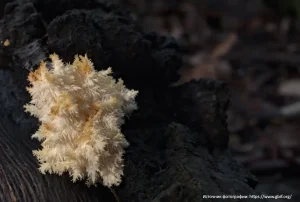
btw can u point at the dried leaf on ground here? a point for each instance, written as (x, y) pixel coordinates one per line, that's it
(290, 88)
(204, 65)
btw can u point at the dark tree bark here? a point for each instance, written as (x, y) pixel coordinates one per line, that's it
(172, 136)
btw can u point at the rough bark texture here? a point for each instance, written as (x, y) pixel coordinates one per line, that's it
(172, 136)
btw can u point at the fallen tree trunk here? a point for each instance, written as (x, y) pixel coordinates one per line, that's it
(173, 136)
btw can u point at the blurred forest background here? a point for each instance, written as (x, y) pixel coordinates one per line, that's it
(254, 46)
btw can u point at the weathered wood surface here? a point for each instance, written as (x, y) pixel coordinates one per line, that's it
(173, 135)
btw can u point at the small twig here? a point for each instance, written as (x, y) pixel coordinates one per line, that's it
(162, 170)
(115, 194)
